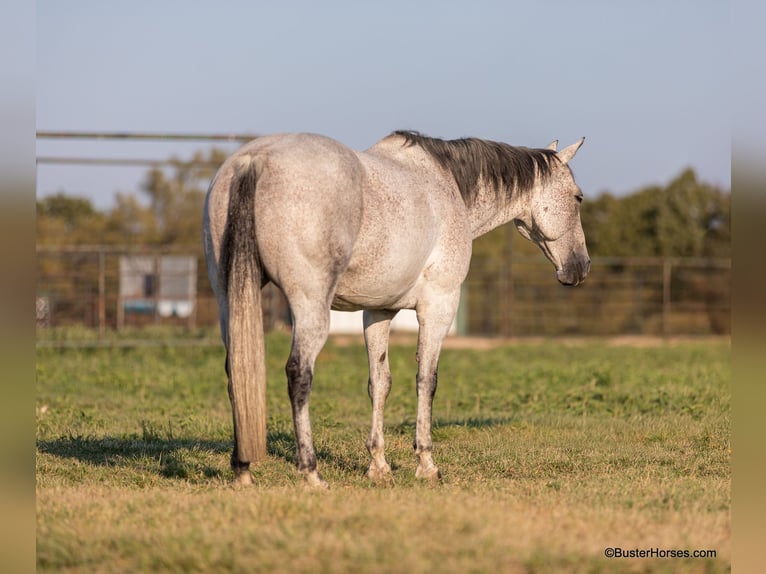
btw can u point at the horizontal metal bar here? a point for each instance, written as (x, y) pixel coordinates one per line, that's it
(49, 160)
(43, 134)
(126, 343)
(118, 249)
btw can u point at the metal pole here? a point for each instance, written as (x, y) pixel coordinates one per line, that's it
(145, 136)
(506, 323)
(131, 162)
(101, 295)
(120, 312)
(666, 275)
(156, 287)
(462, 311)
(192, 322)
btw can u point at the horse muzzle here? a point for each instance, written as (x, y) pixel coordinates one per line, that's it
(574, 273)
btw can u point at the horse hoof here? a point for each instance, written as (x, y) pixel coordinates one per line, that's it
(430, 473)
(243, 478)
(380, 475)
(315, 481)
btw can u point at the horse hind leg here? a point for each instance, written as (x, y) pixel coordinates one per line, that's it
(310, 329)
(376, 331)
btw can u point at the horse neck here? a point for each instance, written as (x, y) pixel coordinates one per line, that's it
(490, 210)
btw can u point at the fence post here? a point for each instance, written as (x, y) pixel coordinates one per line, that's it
(191, 323)
(506, 322)
(462, 311)
(120, 304)
(156, 288)
(666, 275)
(101, 294)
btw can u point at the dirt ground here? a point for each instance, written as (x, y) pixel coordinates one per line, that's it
(480, 343)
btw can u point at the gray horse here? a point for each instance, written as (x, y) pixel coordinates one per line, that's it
(386, 229)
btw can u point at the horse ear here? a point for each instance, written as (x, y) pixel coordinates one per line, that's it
(566, 154)
(552, 146)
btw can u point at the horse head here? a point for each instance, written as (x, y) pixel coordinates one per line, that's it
(551, 219)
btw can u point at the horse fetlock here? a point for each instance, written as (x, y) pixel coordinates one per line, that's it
(375, 445)
(426, 468)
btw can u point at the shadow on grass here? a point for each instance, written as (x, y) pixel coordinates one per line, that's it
(281, 444)
(408, 426)
(189, 458)
(183, 458)
(474, 422)
(169, 457)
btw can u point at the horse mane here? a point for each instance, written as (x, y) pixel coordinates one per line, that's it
(508, 169)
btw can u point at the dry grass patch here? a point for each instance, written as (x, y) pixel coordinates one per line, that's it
(550, 454)
(357, 529)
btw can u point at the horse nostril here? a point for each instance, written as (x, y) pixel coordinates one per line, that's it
(583, 267)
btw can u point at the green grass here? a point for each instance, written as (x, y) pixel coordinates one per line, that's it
(550, 453)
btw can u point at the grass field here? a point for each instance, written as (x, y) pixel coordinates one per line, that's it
(550, 453)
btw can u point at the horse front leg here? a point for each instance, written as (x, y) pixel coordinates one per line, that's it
(376, 330)
(434, 320)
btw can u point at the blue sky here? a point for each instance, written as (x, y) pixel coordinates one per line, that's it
(646, 82)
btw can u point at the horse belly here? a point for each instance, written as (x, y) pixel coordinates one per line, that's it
(353, 295)
(383, 277)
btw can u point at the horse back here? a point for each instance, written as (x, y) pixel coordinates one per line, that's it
(368, 222)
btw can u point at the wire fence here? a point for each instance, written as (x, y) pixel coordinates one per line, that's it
(622, 296)
(86, 286)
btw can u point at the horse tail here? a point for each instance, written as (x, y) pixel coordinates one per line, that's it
(241, 277)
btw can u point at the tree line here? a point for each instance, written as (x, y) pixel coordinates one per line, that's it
(685, 218)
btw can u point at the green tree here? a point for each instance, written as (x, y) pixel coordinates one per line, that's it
(687, 218)
(68, 220)
(176, 199)
(69, 209)
(129, 223)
